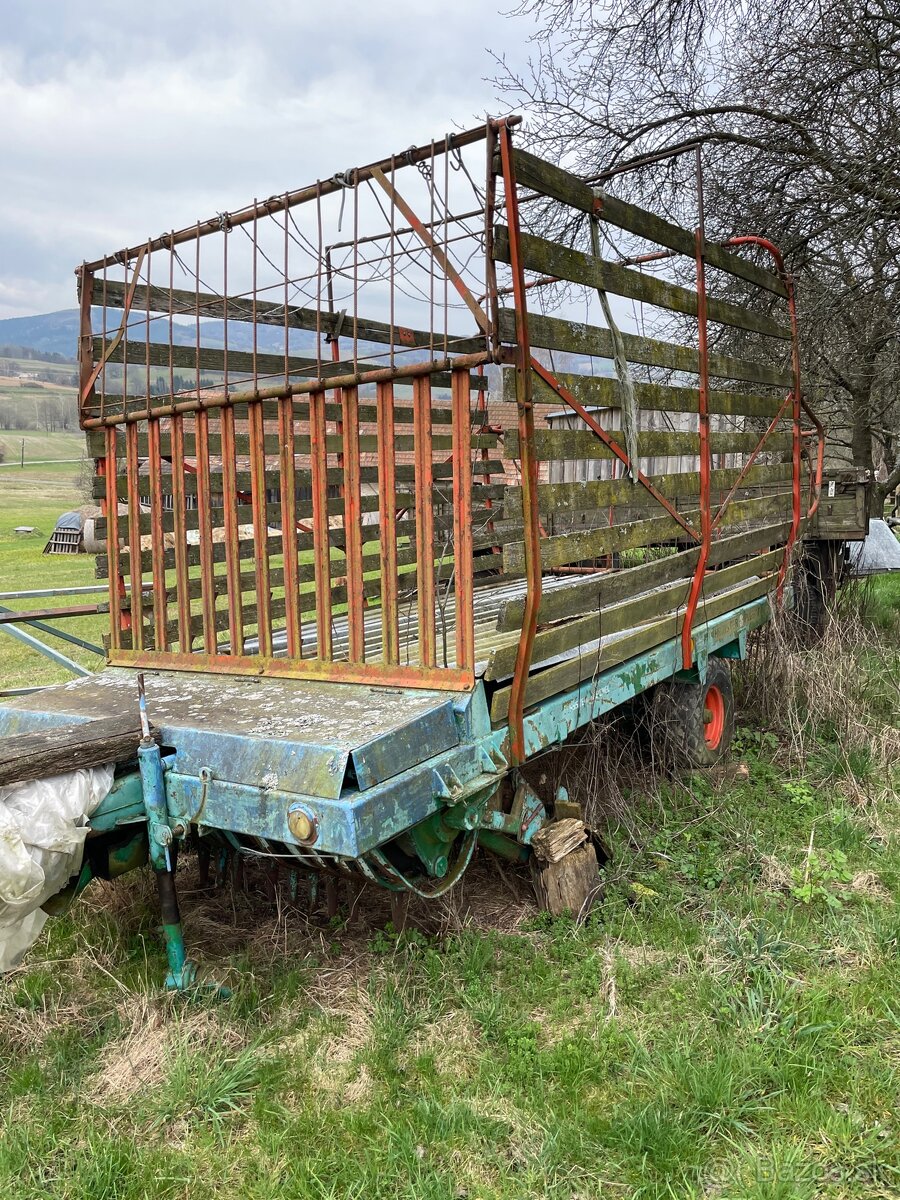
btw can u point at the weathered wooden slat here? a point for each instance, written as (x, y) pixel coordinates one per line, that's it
(615, 618)
(241, 365)
(575, 670)
(405, 475)
(562, 262)
(368, 444)
(570, 444)
(28, 756)
(578, 497)
(136, 402)
(264, 312)
(553, 181)
(593, 592)
(553, 333)
(600, 391)
(403, 415)
(568, 548)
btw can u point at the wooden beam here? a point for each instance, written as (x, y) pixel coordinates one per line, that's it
(27, 756)
(551, 259)
(553, 333)
(553, 181)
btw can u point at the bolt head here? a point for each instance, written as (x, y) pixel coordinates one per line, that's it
(303, 825)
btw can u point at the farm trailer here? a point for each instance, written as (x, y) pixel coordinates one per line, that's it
(335, 558)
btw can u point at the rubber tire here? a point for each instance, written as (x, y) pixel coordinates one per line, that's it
(678, 725)
(816, 586)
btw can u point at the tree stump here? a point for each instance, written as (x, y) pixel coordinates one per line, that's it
(564, 868)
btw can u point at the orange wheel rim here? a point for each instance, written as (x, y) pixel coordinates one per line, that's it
(714, 714)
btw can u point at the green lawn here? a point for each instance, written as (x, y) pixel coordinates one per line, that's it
(726, 1025)
(36, 496)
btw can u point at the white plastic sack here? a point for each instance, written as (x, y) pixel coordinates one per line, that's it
(43, 825)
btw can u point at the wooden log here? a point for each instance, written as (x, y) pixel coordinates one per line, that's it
(569, 885)
(554, 333)
(551, 259)
(533, 172)
(28, 756)
(558, 838)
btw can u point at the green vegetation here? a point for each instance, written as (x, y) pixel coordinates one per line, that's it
(36, 496)
(725, 1025)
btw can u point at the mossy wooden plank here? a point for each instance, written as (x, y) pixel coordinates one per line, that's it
(544, 177)
(568, 674)
(334, 444)
(563, 262)
(581, 496)
(592, 592)
(600, 391)
(577, 547)
(638, 610)
(443, 472)
(554, 333)
(265, 312)
(403, 415)
(574, 444)
(268, 368)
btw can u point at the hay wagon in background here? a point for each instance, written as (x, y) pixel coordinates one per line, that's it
(342, 547)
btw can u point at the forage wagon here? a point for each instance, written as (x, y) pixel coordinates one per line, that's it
(351, 576)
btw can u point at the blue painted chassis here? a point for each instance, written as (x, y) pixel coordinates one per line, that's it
(359, 821)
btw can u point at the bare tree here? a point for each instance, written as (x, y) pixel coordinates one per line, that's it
(797, 108)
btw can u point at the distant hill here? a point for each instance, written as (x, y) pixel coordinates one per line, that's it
(57, 333)
(52, 333)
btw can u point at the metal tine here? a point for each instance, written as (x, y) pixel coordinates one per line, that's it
(180, 532)
(260, 527)
(387, 517)
(289, 527)
(232, 537)
(116, 586)
(462, 520)
(204, 526)
(135, 574)
(321, 552)
(424, 522)
(157, 536)
(352, 522)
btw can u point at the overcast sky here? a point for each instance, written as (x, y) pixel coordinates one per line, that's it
(122, 120)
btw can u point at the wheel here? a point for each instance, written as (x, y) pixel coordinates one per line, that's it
(693, 723)
(816, 582)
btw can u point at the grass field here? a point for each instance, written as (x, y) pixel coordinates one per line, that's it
(36, 496)
(726, 1024)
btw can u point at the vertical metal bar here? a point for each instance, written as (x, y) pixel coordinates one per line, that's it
(353, 523)
(687, 641)
(462, 520)
(795, 440)
(86, 339)
(116, 586)
(205, 534)
(286, 443)
(179, 507)
(530, 513)
(387, 519)
(135, 574)
(157, 536)
(321, 551)
(490, 267)
(232, 536)
(425, 589)
(260, 527)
